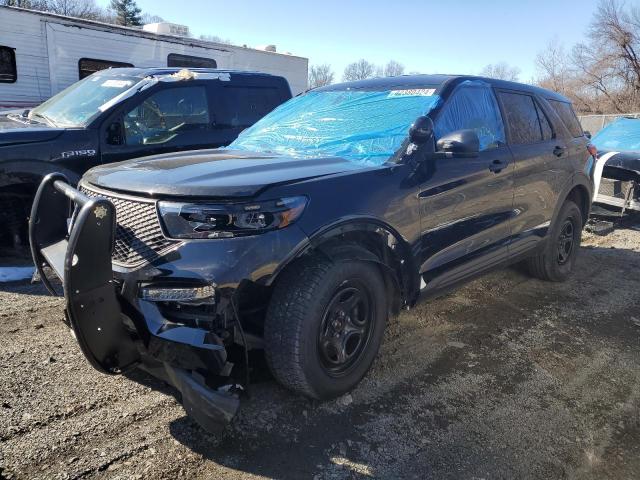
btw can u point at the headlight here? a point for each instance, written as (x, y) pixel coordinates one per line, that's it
(192, 220)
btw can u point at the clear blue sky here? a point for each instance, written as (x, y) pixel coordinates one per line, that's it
(427, 36)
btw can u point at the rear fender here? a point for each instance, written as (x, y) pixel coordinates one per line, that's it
(586, 185)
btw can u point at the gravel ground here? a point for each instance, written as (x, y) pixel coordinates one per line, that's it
(508, 377)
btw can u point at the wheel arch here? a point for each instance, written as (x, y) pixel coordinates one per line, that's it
(578, 190)
(580, 196)
(368, 240)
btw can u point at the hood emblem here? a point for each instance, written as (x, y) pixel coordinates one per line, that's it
(100, 212)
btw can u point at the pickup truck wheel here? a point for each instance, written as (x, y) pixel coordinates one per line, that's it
(324, 325)
(14, 211)
(556, 261)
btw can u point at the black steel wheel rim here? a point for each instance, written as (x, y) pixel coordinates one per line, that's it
(566, 241)
(346, 328)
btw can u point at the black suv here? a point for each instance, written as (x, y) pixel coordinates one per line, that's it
(123, 113)
(340, 207)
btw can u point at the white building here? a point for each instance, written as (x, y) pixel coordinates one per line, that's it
(41, 54)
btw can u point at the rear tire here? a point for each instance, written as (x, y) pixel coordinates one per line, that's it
(324, 325)
(556, 261)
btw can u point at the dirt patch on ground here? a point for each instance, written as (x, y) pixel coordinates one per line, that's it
(508, 377)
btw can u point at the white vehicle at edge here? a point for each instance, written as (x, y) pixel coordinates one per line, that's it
(617, 169)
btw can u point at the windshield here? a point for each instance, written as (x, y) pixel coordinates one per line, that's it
(361, 126)
(622, 134)
(79, 104)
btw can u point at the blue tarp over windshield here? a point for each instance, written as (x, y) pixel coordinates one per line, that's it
(620, 135)
(361, 126)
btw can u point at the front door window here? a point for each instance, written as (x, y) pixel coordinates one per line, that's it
(167, 114)
(472, 106)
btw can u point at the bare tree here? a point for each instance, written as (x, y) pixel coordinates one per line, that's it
(501, 71)
(320, 75)
(359, 71)
(87, 9)
(608, 64)
(32, 4)
(151, 18)
(75, 8)
(602, 73)
(215, 38)
(393, 69)
(553, 68)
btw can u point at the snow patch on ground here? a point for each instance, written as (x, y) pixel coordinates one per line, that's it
(14, 274)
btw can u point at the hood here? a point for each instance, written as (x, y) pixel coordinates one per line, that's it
(14, 132)
(211, 173)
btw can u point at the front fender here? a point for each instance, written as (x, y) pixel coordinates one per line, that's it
(32, 172)
(365, 239)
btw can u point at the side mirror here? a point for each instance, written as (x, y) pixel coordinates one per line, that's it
(114, 134)
(587, 134)
(462, 143)
(421, 130)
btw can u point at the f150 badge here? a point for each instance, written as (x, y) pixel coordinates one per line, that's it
(78, 153)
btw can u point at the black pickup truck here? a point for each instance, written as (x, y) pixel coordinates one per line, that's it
(123, 113)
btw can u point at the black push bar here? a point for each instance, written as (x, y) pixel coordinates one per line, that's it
(80, 256)
(79, 253)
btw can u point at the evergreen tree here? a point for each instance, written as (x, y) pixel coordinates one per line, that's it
(127, 12)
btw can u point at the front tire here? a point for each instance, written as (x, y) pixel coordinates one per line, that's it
(324, 325)
(557, 260)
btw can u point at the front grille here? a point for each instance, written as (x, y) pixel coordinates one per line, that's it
(614, 188)
(139, 237)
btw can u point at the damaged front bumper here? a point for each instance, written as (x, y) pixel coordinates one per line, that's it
(111, 331)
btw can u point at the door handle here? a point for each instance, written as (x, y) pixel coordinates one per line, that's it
(497, 166)
(559, 151)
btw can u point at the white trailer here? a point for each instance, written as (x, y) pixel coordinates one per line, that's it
(41, 54)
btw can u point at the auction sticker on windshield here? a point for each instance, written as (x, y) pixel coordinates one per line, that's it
(413, 92)
(116, 83)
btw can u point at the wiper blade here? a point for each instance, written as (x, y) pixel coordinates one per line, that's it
(44, 117)
(18, 118)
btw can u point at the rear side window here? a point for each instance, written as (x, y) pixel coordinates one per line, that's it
(87, 66)
(547, 131)
(474, 107)
(568, 117)
(522, 118)
(189, 61)
(242, 106)
(8, 71)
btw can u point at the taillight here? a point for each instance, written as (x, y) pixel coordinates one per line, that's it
(591, 148)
